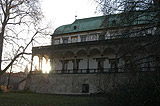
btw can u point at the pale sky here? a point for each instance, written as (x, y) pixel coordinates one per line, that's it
(62, 12)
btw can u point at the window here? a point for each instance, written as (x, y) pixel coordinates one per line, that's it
(83, 39)
(149, 31)
(75, 27)
(74, 39)
(113, 63)
(108, 35)
(65, 65)
(114, 23)
(57, 41)
(93, 37)
(85, 88)
(65, 40)
(101, 37)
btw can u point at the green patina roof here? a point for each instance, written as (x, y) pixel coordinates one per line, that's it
(101, 22)
(82, 25)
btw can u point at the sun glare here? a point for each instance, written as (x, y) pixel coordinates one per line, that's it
(46, 66)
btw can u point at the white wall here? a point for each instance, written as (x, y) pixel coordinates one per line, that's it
(70, 65)
(83, 63)
(92, 63)
(106, 64)
(57, 65)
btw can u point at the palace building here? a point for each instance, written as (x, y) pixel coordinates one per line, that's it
(98, 44)
(91, 47)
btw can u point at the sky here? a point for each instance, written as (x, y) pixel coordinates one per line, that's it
(61, 12)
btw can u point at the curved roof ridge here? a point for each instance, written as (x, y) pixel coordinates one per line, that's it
(101, 22)
(81, 25)
(89, 18)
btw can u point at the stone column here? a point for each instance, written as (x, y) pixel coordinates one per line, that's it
(40, 63)
(63, 64)
(102, 63)
(116, 62)
(88, 56)
(46, 60)
(75, 64)
(51, 64)
(31, 63)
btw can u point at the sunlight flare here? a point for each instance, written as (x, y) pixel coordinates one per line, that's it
(46, 66)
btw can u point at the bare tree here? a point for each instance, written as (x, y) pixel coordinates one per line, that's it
(16, 15)
(131, 12)
(145, 16)
(119, 6)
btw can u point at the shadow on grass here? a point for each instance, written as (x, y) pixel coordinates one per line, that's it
(26, 98)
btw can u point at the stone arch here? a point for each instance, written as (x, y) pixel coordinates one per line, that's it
(143, 50)
(39, 55)
(57, 55)
(36, 63)
(81, 52)
(95, 51)
(46, 65)
(108, 51)
(109, 56)
(41, 63)
(47, 57)
(138, 55)
(69, 58)
(121, 50)
(94, 60)
(143, 59)
(82, 59)
(44, 61)
(121, 58)
(69, 54)
(56, 61)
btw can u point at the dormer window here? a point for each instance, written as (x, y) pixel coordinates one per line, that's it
(114, 23)
(75, 27)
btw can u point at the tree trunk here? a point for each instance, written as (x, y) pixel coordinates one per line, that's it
(1, 50)
(9, 77)
(1, 40)
(4, 23)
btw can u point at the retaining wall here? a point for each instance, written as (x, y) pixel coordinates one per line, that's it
(75, 83)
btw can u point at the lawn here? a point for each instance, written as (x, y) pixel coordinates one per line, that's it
(31, 99)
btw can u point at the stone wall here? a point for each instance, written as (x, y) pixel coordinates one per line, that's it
(14, 80)
(74, 83)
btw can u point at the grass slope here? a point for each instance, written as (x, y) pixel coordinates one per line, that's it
(31, 99)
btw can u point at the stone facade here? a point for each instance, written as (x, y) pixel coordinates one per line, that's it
(14, 81)
(75, 83)
(94, 54)
(80, 84)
